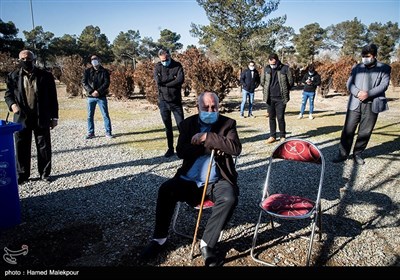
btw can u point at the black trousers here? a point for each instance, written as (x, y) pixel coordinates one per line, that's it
(222, 193)
(23, 143)
(166, 108)
(276, 111)
(365, 119)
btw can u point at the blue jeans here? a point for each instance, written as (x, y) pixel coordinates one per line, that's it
(307, 95)
(245, 95)
(91, 107)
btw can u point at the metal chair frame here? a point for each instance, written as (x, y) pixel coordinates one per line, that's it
(314, 214)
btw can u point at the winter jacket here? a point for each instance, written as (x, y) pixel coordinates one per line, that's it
(169, 80)
(315, 82)
(250, 83)
(285, 79)
(96, 80)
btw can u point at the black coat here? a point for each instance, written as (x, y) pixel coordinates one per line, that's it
(46, 97)
(248, 82)
(169, 80)
(96, 80)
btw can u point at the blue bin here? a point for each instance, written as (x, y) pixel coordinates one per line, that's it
(10, 211)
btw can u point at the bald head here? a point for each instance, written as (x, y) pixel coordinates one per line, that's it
(26, 55)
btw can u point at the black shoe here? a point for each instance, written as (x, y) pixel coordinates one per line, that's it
(339, 158)
(151, 250)
(169, 153)
(22, 181)
(358, 159)
(210, 259)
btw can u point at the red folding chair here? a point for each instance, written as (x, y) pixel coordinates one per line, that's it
(297, 195)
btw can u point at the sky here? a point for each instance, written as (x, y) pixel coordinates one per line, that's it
(149, 17)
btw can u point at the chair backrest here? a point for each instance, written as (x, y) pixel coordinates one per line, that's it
(299, 152)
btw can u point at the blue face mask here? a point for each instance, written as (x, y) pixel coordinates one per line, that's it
(166, 63)
(208, 117)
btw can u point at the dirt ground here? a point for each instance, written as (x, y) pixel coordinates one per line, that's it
(71, 238)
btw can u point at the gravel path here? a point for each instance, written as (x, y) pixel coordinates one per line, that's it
(99, 210)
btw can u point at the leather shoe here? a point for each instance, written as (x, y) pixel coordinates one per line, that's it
(210, 259)
(151, 250)
(339, 158)
(270, 140)
(169, 153)
(358, 159)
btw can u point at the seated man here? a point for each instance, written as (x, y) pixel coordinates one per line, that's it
(199, 134)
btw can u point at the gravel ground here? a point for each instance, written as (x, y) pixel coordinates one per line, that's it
(98, 213)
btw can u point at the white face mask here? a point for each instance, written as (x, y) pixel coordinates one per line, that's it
(368, 60)
(273, 66)
(251, 68)
(95, 62)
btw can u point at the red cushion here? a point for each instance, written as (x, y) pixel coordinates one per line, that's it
(207, 204)
(287, 205)
(298, 150)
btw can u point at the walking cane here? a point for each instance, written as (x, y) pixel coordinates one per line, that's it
(202, 202)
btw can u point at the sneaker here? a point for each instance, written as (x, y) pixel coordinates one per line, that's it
(46, 179)
(169, 153)
(270, 140)
(310, 116)
(251, 116)
(358, 159)
(300, 116)
(89, 136)
(282, 139)
(109, 135)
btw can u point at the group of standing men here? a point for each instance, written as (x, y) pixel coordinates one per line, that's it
(31, 95)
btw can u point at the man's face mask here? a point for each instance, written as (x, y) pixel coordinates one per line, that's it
(166, 63)
(27, 65)
(208, 117)
(368, 60)
(95, 62)
(273, 66)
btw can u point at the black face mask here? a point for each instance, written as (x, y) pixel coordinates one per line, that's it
(27, 65)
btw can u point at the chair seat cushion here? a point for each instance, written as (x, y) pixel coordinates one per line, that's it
(287, 205)
(207, 204)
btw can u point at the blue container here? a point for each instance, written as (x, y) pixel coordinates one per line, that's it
(10, 211)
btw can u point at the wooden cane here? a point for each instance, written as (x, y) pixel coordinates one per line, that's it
(202, 202)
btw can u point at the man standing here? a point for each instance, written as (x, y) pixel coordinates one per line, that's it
(32, 96)
(276, 82)
(96, 81)
(250, 80)
(311, 81)
(169, 77)
(367, 85)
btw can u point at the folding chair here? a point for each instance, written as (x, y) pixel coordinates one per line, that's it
(299, 166)
(207, 204)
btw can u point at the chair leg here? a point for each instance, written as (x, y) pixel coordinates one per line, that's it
(320, 224)
(174, 220)
(254, 242)
(311, 241)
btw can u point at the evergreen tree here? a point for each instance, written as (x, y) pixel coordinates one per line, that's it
(235, 27)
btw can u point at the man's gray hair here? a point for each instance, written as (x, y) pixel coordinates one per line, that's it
(210, 93)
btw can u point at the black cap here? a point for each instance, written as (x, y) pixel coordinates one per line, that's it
(273, 56)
